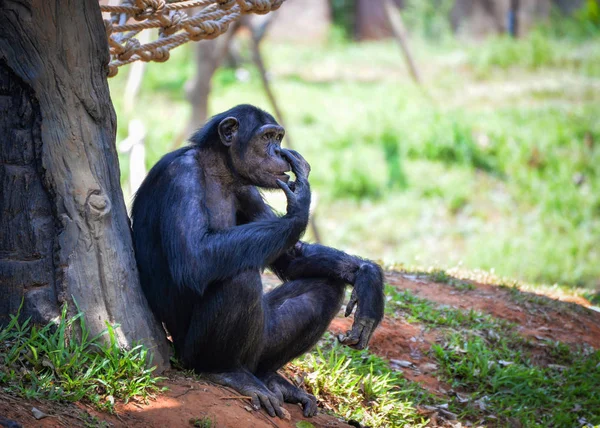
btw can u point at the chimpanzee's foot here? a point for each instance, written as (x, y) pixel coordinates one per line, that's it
(247, 384)
(290, 393)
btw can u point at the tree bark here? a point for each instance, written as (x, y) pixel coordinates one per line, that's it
(64, 231)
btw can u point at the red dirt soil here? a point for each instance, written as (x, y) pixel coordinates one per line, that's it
(186, 400)
(538, 317)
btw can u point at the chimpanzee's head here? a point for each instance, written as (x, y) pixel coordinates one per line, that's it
(253, 139)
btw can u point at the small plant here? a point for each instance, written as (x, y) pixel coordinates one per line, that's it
(91, 421)
(441, 276)
(503, 52)
(51, 362)
(203, 422)
(353, 173)
(429, 19)
(391, 149)
(582, 25)
(449, 139)
(343, 17)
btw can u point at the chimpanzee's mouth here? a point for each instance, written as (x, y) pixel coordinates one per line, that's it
(283, 177)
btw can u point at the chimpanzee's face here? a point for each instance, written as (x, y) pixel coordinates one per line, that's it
(256, 151)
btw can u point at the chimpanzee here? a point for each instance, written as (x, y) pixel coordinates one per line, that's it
(203, 235)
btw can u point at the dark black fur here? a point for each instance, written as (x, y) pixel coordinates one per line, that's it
(201, 272)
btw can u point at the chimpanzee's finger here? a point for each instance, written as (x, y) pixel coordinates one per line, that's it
(364, 339)
(255, 401)
(288, 192)
(300, 158)
(309, 404)
(352, 337)
(288, 155)
(264, 400)
(299, 166)
(303, 162)
(276, 406)
(351, 304)
(275, 389)
(368, 327)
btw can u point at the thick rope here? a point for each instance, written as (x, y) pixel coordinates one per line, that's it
(210, 19)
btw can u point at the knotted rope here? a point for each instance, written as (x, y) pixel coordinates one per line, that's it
(176, 27)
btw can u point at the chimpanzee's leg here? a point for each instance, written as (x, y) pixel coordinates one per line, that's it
(225, 336)
(297, 314)
(226, 326)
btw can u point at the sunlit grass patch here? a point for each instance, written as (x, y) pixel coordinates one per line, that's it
(361, 386)
(418, 310)
(501, 382)
(52, 362)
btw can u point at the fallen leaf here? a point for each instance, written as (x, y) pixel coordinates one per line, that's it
(557, 367)
(448, 415)
(428, 367)
(462, 398)
(481, 403)
(403, 363)
(493, 335)
(286, 414)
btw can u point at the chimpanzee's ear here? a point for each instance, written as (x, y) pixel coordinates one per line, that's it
(228, 130)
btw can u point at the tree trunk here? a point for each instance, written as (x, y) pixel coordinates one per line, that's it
(64, 231)
(372, 21)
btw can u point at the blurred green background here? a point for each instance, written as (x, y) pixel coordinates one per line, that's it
(494, 163)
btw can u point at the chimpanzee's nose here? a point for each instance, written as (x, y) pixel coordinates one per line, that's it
(278, 151)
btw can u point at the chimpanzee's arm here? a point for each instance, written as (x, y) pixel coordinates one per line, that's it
(304, 260)
(366, 277)
(315, 260)
(197, 255)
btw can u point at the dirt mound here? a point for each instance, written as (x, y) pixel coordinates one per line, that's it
(188, 401)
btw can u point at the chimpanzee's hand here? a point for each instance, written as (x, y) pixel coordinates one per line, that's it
(368, 295)
(300, 167)
(297, 192)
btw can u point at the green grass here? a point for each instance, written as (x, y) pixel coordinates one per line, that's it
(418, 310)
(500, 379)
(51, 363)
(442, 277)
(203, 422)
(361, 386)
(497, 377)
